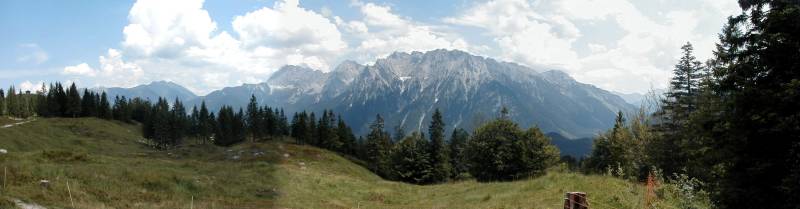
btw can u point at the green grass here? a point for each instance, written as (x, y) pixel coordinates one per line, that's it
(107, 167)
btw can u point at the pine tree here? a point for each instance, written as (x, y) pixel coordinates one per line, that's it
(41, 102)
(411, 160)
(178, 123)
(312, 136)
(194, 123)
(230, 128)
(73, 102)
(254, 118)
(378, 147)
(62, 99)
(680, 102)
(501, 151)
(458, 152)
(157, 126)
(104, 108)
(438, 149)
(2, 102)
(614, 150)
(300, 128)
(758, 132)
(88, 104)
(283, 123)
(345, 134)
(205, 123)
(399, 133)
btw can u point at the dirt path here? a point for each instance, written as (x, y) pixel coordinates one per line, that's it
(17, 123)
(23, 205)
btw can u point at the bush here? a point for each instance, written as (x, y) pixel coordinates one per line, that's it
(501, 151)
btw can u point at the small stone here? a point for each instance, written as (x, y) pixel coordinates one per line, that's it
(44, 183)
(286, 155)
(3, 151)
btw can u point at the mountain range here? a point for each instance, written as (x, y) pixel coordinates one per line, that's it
(405, 89)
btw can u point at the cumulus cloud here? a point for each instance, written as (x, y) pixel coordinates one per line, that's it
(166, 28)
(522, 33)
(179, 41)
(82, 69)
(380, 32)
(306, 36)
(547, 33)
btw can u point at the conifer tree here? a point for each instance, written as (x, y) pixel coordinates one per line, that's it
(440, 161)
(254, 118)
(300, 128)
(2, 102)
(88, 104)
(41, 102)
(178, 122)
(378, 147)
(205, 123)
(411, 160)
(345, 134)
(614, 150)
(501, 151)
(757, 135)
(103, 107)
(73, 102)
(11, 101)
(458, 152)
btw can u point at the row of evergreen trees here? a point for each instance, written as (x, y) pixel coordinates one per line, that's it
(16, 103)
(55, 101)
(731, 122)
(499, 150)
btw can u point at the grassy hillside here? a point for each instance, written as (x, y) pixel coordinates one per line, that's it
(107, 167)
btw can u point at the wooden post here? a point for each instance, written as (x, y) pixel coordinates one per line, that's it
(5, 176)
(191, 205)
(70, 195)
(575, 200)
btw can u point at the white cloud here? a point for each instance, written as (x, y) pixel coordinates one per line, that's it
(289, 29)
(115, 70)
(381, 32)
(31, 86)
(547, 33)
(166, 28)
(523, 34)
(32, 53)
(179, 41)
(82, 69)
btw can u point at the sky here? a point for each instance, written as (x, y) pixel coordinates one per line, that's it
(627, 46)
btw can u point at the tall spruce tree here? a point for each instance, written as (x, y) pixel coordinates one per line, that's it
(458, 152)
(11, 101)
(411, 160)
(41, 102)
(759, 131)
(2, 102)
(88, 104)
(103, 107)
(205, 123)
(73, 102)
(254, 118)
(378, 147)
(680, 102)
(439, 158)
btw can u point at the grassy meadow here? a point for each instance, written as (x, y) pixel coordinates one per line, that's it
(107, 165)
